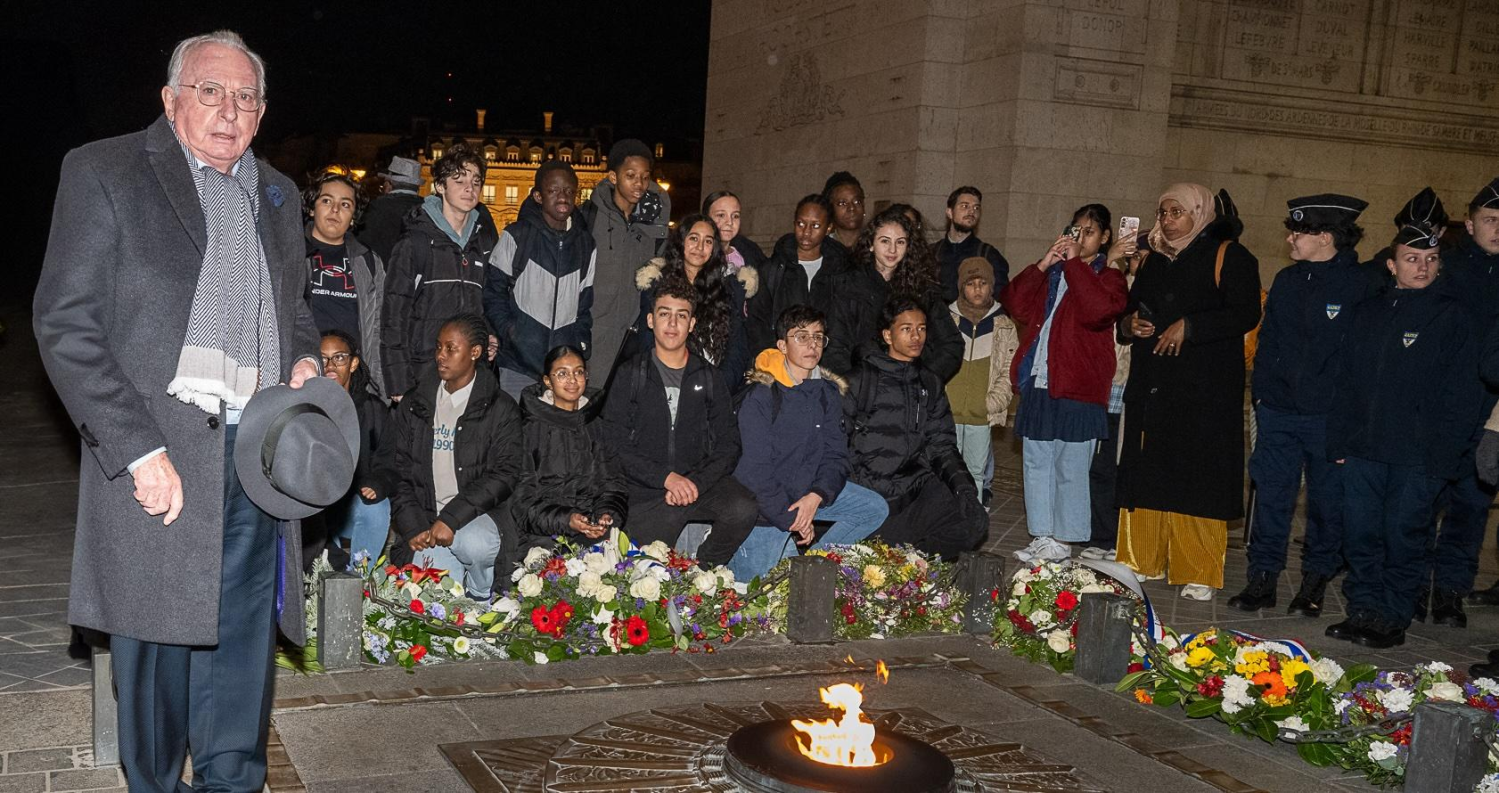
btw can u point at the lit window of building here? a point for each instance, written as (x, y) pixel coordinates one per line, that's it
(489, 153)
(660, 151)
(589, 156)
(585, 194)
(535, 154)
(512, 194)
(565, 154)
(436, 153)
(512, 153)
(488, 194)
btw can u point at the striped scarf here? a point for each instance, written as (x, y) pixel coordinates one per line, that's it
(231, 349)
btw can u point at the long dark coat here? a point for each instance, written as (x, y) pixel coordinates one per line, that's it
(1183, 433)
(110, 315)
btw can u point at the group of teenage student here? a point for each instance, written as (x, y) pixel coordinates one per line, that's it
(845, 386)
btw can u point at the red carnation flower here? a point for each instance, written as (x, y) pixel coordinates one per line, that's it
(1135, 667)
(636, 631)
(418, 652)
(458, 618)
(1066, 601)
(1211, 687)
(555, 565)
(543, 620)
(417, 607)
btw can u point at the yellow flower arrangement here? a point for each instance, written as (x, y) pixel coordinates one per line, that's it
(1253, 664)
(1198, 656)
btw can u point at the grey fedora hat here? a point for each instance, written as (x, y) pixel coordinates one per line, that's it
(296, 448)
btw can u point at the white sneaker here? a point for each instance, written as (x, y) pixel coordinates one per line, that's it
(1028, 553)
(1142, 578)
(1092, 553)
(1054, 551)
(1198, 592)
(1111, 555)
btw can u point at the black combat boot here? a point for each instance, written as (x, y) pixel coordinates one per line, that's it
(1379, 633)
(1489, 670)
(1447, 609)
(1354, 625)
(1258, 594)
(1421, 600)
(1308, 600)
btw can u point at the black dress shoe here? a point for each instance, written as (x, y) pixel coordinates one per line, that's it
(1347, 629)
(1486, 597)
(1421, 600)
(1447, 609)
(1258, 594)
(1489, 670)
(1379, 634)
(1308, 600)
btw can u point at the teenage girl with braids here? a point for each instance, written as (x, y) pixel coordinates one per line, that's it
(458, 450)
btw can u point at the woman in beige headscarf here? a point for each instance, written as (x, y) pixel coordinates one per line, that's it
(1181, 467)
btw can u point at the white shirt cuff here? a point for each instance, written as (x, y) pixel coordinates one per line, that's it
(143, 458)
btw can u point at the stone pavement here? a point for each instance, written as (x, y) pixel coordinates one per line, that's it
(380, 728)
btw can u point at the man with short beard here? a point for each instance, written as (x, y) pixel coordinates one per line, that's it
(964, 207)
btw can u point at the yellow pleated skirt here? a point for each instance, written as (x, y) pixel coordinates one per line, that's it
(1189, 549)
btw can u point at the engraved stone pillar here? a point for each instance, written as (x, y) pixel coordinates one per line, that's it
(340, 630)
(1447, 752)
(106, 710)
(1103, 637)
(809, 605)
(978, 575)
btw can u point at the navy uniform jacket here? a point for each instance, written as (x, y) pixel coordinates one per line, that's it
(1471, 276)
(1306, 317)
(1408, 389)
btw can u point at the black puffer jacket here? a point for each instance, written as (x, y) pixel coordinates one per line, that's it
(428, 281)
(858, 295)
(900, 431)
(486, 457)
(376, 468)
(783, 284)
(565, 468)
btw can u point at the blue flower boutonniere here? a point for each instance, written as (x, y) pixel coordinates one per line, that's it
(274, 193)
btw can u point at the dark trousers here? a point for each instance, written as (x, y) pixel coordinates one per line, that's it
(936, 521)
(1288, 445)
(214, 700)
(1387, 512)
(1101, 476)
(729, 506)
(1454, 556)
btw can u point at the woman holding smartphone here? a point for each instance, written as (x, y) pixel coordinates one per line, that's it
(1181, 469)
(1066, 305)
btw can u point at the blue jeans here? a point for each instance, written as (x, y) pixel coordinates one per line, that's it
(365, 526)
(1057, 503)
(470, 557)
(855, 514)
(976, 444)
(1387, 512)
(1289, 443)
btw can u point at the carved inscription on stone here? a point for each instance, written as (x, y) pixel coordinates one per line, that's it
(1444, 51)
(1306, 43)
(1090, 82)
(1116, 26)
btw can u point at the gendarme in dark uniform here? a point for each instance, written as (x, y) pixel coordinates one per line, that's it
(1408, 398)
(1307, 314)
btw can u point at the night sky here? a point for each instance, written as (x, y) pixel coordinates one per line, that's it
(75, 72)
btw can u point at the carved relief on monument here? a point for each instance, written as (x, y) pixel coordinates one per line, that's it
(1444, 51)
(1120, 27)
(1099, 83)
(802, 98)
(1301, 43)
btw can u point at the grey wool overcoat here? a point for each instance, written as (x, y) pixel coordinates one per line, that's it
(110, 313)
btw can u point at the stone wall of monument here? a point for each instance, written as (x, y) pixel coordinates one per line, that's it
(1374, 98)
(1048, 104)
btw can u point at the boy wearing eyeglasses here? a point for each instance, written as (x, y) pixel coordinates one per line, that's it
(795, 453)
(980, 393)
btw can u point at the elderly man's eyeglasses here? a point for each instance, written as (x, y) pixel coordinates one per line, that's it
(338, 359)
(1170, 213)
(248, 100)
(814, 339)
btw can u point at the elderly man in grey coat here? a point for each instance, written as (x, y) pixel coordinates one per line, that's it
(172, 291)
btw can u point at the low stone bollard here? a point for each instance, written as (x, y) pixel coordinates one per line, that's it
(340, 621)
(1448, 752)
(1103, 637)
(978, 575)
(106, 710)
(809, 603)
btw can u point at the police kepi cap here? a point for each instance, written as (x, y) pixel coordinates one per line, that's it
(1421, 221)
(1487, 198)
(1325, 209)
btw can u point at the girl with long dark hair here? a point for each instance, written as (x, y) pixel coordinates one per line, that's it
(695, 254)
(890, 259)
